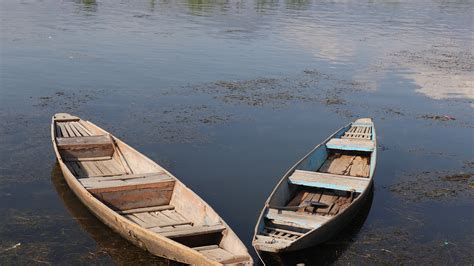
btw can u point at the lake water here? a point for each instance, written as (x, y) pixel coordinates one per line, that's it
(228, 95)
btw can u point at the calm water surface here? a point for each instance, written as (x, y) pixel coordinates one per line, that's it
(228, 95)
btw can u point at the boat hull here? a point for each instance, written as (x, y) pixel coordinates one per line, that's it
(326, 230)
(155, 243)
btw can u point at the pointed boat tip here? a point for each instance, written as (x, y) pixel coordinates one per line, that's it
(364, 120)
(64, 117)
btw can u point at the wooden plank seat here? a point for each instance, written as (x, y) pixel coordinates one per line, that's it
(85, 146)
(84, 142)
(295, 219)
(329, 181)
(127, 192)
(351, 144)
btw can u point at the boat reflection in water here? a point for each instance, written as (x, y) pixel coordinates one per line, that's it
(326, 253)
(120, 250)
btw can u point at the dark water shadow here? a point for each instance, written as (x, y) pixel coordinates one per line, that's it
(329, 252)
(120, 250)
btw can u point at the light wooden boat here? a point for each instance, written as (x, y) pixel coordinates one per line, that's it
(139, 199)
(321, 194)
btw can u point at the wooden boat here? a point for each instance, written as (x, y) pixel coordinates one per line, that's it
(139, 199)
(321, 194)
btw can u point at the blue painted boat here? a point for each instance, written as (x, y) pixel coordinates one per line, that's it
(321, 193)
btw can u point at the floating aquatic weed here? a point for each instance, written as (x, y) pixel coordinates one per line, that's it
(70, 100)
(428, 186)
(437, 117)
(310, 86)
(171, 124)
(334, 100)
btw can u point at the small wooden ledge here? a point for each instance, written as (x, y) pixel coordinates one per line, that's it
(146, 209)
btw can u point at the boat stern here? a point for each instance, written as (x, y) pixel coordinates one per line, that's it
(64, 117)
(270, 244)
(366, 120)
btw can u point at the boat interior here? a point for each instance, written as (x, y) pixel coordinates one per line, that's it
(322, 185)
(141, 191)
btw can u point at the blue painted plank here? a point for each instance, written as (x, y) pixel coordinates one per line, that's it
(350, 145)
(324, 185)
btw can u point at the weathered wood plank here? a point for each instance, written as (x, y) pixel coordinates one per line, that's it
(193, 231)
(148, 179)
(90, 168)
(330, 181)
(162, 224)
(284, 231)
(94, 183)
(138, 196)
(351, 144)
(163, 218)
(69, 129)
(121, 185)
(64, 132)
(360, 167)
(315, 197)
(82, 124)
(276, 243)
(73, 129)
(335, 208)
(104, 158)
(217, 254)
(97, 167)
(65, 117)
(73, 142)
(173, 215)
(138, 221)
(296, 200)
(295, 219)
(87, 147)
(147, 209)
(85, 169)
(180, 216)
(337, 164)
(78, 129)
(122, 161)
(81, 152)
(115, 167)
(206, 247)
(160, 175)
(327, 199)
(103, 168)
(155, 221)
